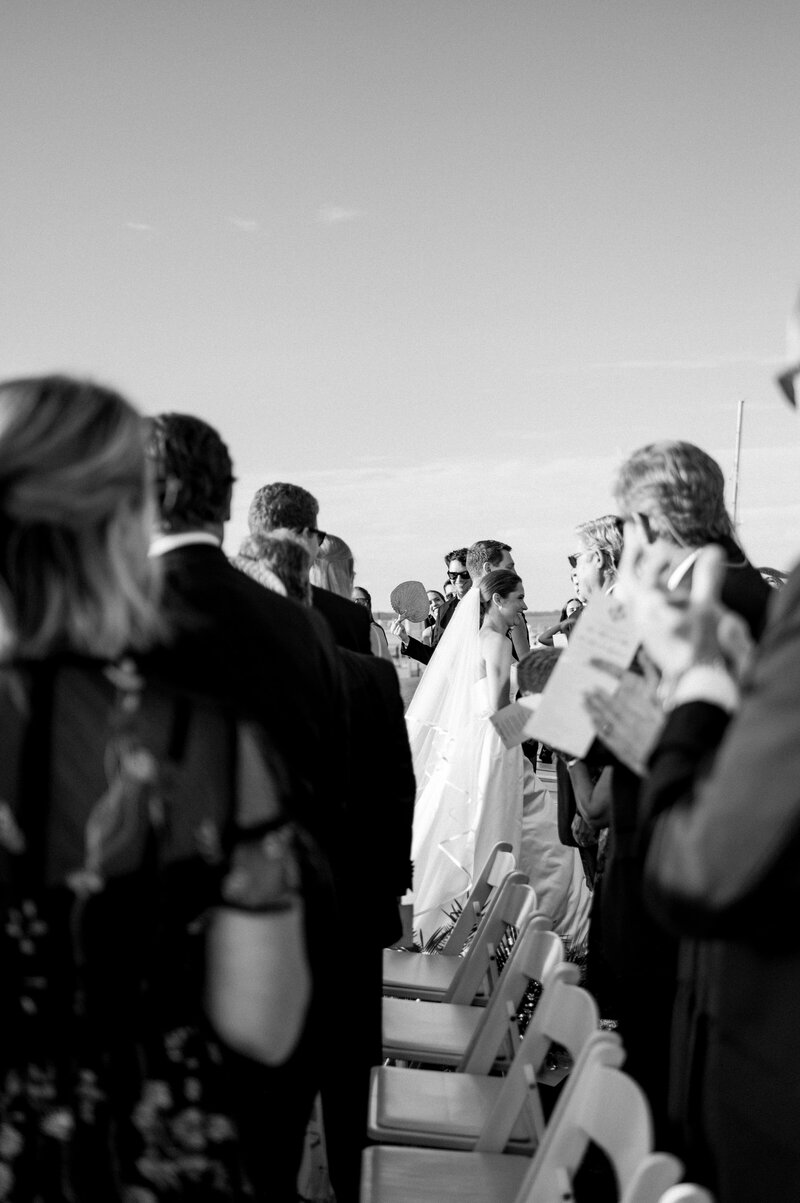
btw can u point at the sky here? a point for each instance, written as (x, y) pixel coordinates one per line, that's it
(444, 263)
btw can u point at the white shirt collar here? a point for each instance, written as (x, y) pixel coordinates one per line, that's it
(164, 543)
(679, 572)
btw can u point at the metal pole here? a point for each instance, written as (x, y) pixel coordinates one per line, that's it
(736, 464)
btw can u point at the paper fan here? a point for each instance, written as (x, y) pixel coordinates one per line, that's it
(411, 600)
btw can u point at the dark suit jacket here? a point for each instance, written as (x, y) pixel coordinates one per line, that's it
(643, 956)
(349, 622)
(381, 803)
(724, 862)
(626, 925)
(421, 651)
(272, 660)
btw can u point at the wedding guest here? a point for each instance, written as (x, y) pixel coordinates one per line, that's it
(280, 561)
(276, 663)
(122, 813)
(377, 635)
(435, 602)
(672, 498)
(558, 634)
(596, 557)
(460, 583)
(282, 505)
(334, 567)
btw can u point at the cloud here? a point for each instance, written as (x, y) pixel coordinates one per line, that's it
(246, 224)
(141, 227)
(335, 215)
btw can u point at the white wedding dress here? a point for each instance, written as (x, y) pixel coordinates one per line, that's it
(472, 792)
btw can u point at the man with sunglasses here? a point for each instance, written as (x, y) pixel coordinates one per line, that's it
(461, 582)
(720, 830)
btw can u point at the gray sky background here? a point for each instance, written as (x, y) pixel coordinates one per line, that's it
(443, 263)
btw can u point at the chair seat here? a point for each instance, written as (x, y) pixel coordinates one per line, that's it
(428, 1107)
(417, 975)
(428, 1031)
(404, 1175)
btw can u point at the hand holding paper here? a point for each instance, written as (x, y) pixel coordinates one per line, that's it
(629, 721)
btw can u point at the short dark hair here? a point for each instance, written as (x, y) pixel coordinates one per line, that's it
(485, 551)
(282, 505)
(192, 469)
(459, 554)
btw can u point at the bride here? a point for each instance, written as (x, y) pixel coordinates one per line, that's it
(472, 791)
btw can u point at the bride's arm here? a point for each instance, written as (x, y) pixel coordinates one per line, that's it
(496, 651)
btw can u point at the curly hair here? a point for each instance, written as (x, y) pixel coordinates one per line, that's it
(459, 553)
(282, 505)
(192, 470)
(681, 491)
(279, 555)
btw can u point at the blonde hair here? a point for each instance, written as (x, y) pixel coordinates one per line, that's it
(333, 568)
(74, 529)
(680, 489)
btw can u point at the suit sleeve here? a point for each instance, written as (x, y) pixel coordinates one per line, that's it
(718, 830)
(416, 650)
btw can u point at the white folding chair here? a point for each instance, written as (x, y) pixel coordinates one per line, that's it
(469, 1111)
(686, 1192)
(611, 1110)
(471, 1038)
(403, 1174)
(431, 977)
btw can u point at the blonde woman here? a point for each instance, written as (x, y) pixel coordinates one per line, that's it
(117, 823)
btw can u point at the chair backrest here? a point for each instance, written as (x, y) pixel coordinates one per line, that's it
(565, 1014)
(511, 902)
(499, 863)
(604, 1105)
(686, 1192)
(534, 956)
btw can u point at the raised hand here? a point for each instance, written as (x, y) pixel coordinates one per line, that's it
(678, 632)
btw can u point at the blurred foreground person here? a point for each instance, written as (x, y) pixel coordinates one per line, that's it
(671, 495)
(133, 822)
(721, 817)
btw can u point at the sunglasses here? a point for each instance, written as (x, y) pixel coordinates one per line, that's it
(321, 534)
(458, 576)
(785, 383)
(573, 559)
